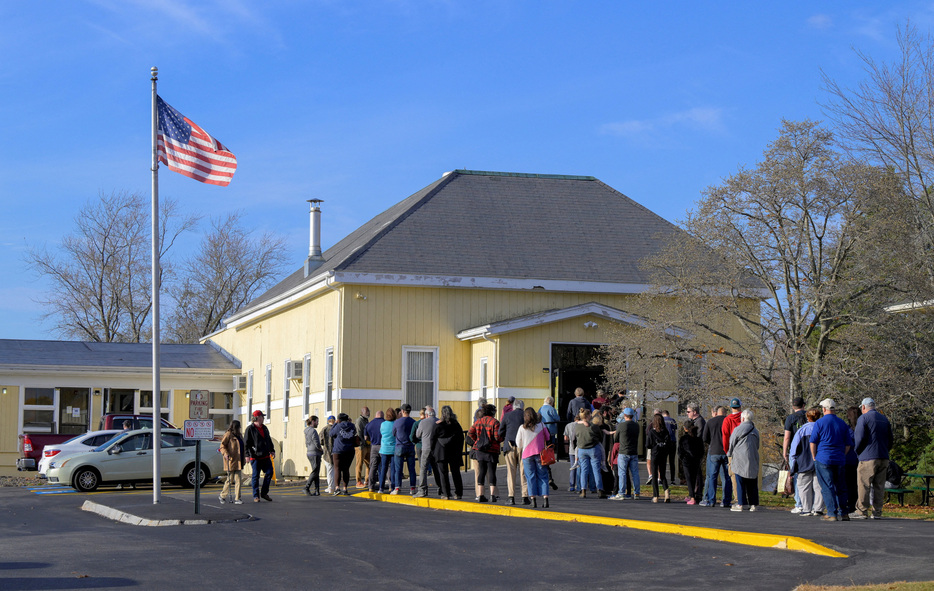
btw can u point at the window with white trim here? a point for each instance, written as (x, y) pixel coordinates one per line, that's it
(39, 410)
(268, 390)
(419, 376)
(328, 379)
(221, 411)
(146, 404)
(286, 388)
(306, 386)
(249, 394)
(484, 383)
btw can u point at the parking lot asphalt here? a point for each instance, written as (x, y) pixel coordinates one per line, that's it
(462, 541)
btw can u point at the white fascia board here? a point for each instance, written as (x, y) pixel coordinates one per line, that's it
(104, 371)
(550, 316)
(910, 306)
(417, 280)
(303, 291)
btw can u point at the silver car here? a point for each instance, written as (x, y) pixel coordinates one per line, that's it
(75, 445)
(128, 458)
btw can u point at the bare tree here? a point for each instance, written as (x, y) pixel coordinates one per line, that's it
(100, 275)
(889, 118)
(229, 269)
(765, 276)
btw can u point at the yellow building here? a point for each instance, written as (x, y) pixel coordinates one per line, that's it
(64, 387)
(482, 284)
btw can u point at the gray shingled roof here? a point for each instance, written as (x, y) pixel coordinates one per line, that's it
(123, 355)
(502, 225)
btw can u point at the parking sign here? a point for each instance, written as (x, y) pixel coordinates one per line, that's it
(199, 429)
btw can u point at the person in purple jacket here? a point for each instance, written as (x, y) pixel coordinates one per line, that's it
(830, 442)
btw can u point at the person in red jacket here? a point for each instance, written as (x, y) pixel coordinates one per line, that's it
(730, 422)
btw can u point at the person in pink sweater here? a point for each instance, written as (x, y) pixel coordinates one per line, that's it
(532, 438)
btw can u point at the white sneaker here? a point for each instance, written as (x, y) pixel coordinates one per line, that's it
(802, 514)
(395, 491)
(238, 502)
(616, 498)
(796, 510)
(328, 490)
(857, 515)
(222, 499)
(752, 507)
(736, 507)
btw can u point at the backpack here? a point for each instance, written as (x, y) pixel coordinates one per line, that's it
(893, 474)
(483, 442)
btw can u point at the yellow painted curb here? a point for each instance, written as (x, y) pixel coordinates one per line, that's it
(706, 533)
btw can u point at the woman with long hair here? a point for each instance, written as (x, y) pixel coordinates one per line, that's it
(387, 449)
(232, 450)
(660, 443)
(344, 435)
(448, 452)
(485, 438)
(532, 437)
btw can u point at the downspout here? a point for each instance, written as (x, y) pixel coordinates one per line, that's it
(340, 329)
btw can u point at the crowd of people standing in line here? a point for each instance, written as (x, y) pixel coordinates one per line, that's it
(848, 460)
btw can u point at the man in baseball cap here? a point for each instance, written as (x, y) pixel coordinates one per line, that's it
(873, 440)
(261, 452)
(830, 442)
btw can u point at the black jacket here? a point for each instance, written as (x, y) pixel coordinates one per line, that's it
(509, 427)
(258, 442)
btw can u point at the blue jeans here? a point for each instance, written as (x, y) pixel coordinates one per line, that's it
(832, 479)
(628, 468)
(716, 464)
(386, 465)
(573, 475)
(408, 457)
(264, 464)
(536, 476)
(590, 464)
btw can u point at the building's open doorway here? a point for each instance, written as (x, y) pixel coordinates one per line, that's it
(571, 369)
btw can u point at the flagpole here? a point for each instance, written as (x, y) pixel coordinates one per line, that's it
(156, 387)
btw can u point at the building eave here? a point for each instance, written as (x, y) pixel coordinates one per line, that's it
(550, 316)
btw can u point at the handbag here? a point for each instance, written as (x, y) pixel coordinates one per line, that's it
(548, 456)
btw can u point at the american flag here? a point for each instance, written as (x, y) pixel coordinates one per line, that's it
(187, 149)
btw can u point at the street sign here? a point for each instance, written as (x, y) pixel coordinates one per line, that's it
(199, 429)
(199, 402)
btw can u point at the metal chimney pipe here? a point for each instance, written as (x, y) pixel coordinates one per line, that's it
(314, 259)
(314, 245)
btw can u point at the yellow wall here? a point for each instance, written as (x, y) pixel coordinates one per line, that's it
(9, 417)
(378, 321)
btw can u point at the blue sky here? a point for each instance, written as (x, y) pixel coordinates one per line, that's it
(363, 103)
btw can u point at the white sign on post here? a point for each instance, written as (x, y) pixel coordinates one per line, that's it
(199, 429)
(199, 403)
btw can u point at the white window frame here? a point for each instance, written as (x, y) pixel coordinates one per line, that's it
(435, 368)
(484, 377)
(249, 394)
(222, 411)
(41, 407)
(306, 386)
(328, 379)
(268, 389)
(286, 389)
(144, 410)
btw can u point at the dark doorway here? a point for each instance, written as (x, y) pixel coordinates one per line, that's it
(571, 369)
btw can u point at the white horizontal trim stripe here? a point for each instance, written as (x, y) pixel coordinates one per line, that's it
(416, 280)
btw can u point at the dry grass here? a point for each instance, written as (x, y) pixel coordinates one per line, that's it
(899, 586)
